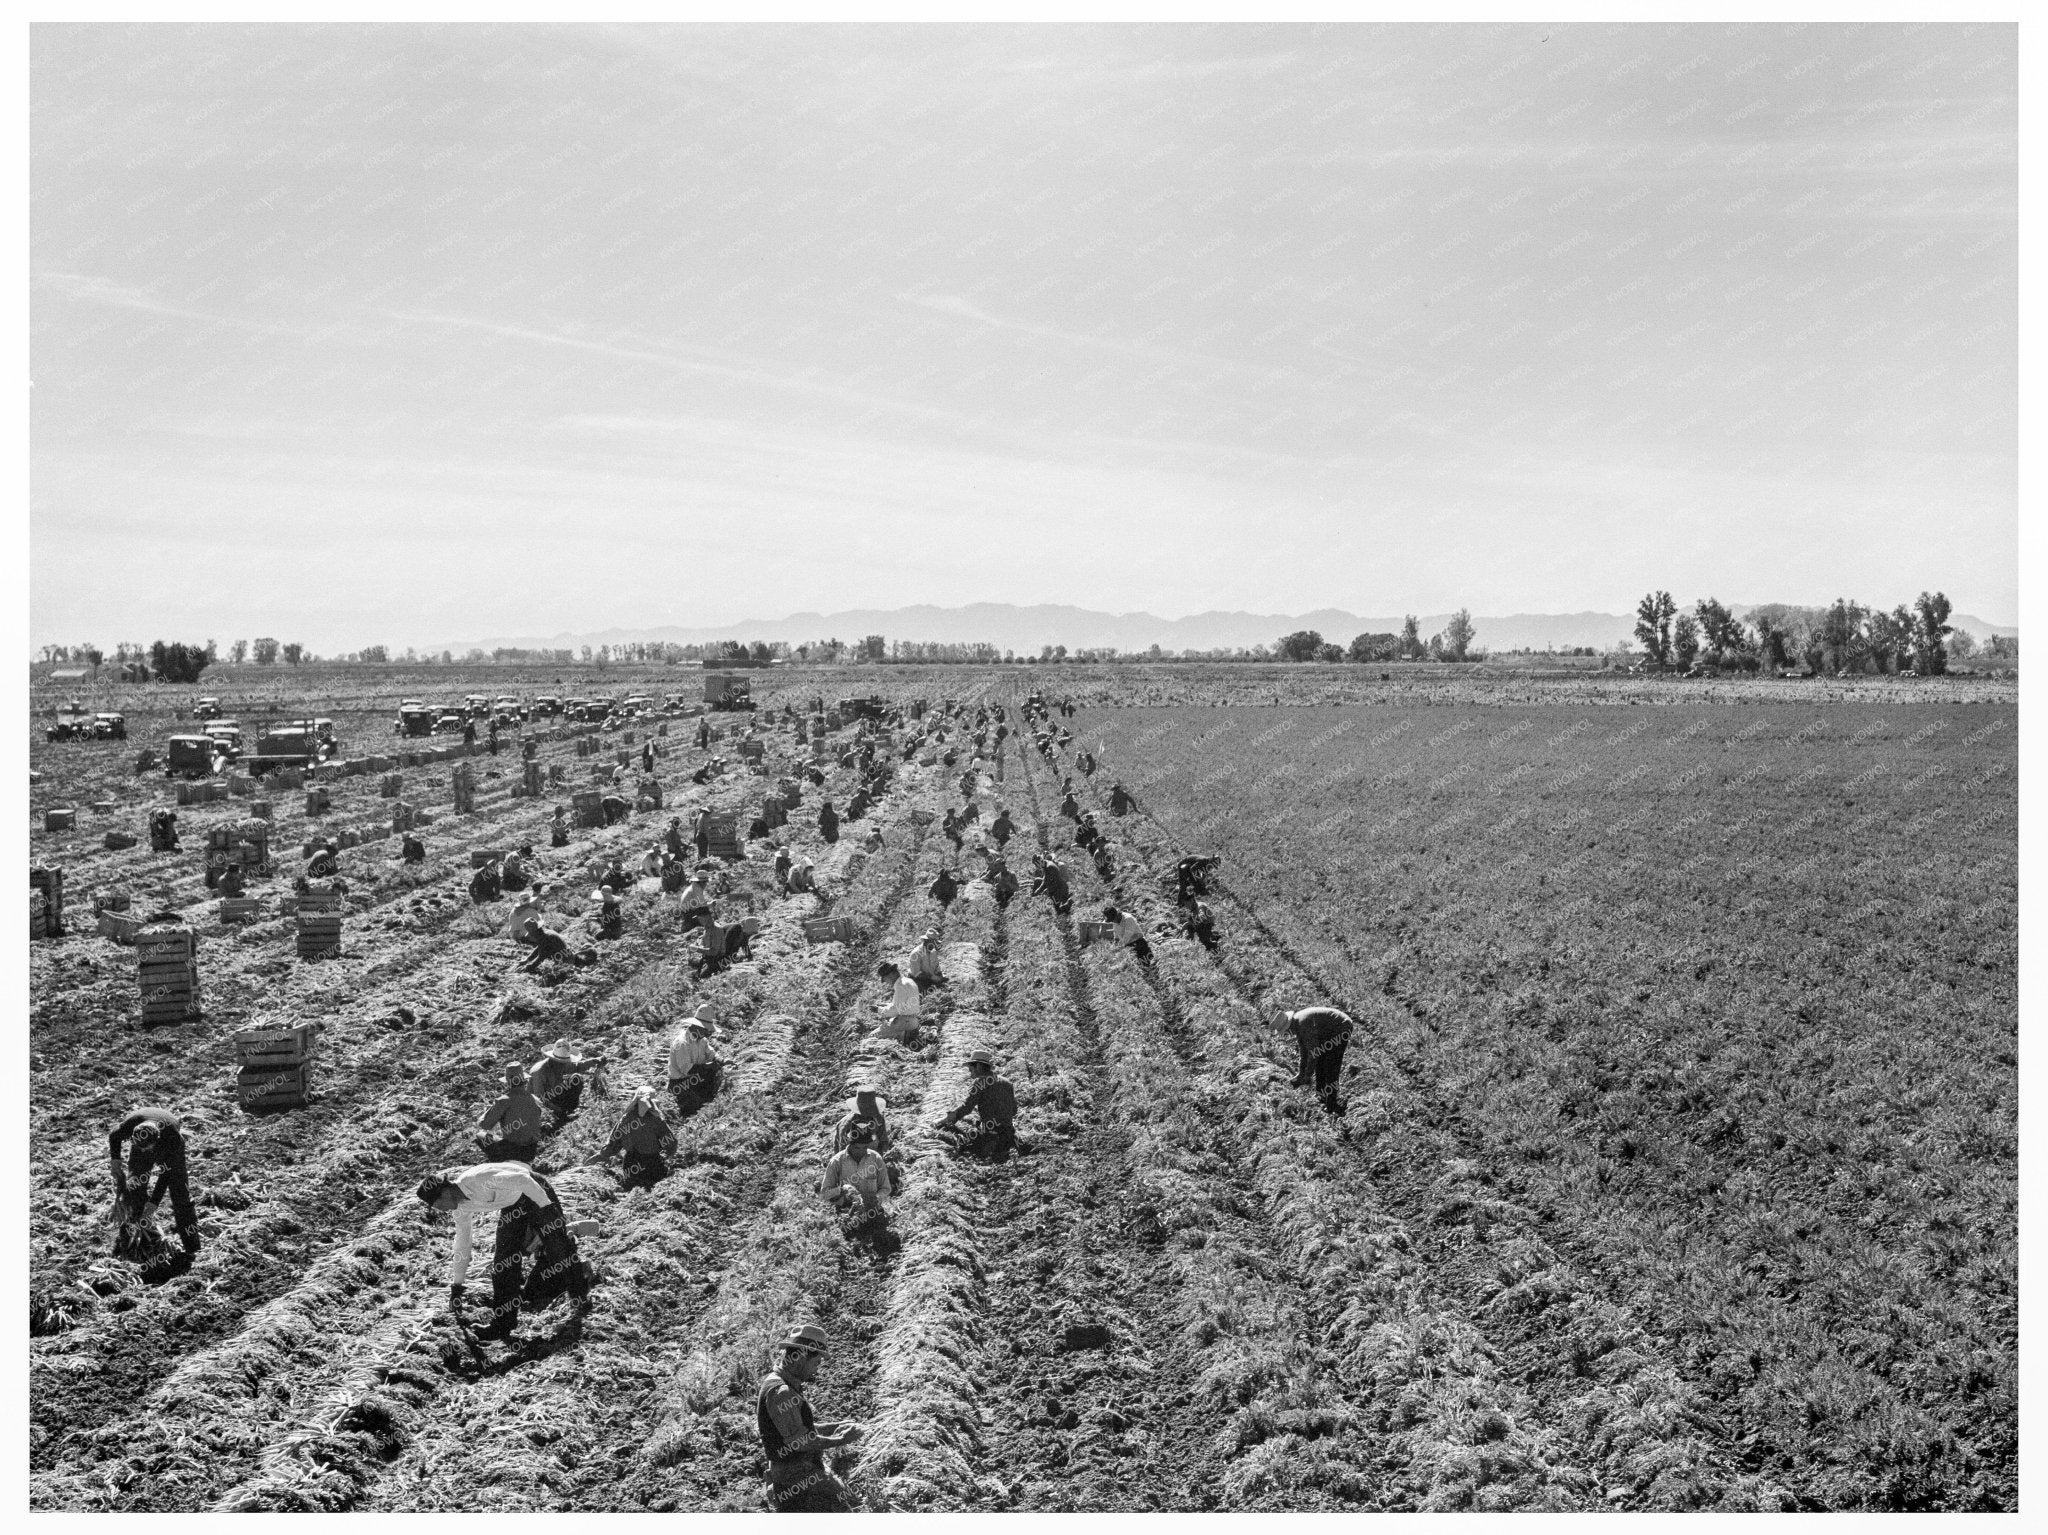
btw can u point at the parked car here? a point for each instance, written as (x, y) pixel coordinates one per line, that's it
(109, 727)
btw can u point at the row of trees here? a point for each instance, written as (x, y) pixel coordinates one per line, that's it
(1845, 636)
(1454, 642)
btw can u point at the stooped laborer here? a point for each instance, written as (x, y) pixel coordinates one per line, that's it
(512, 871)
(558, 829)
(696, 899)
(1001, 882)
(643, 1139)
(1120, 800)
(485, 885)
(412, 850)
(1052, 879)
(828, 822)
(1321, 1034)
(782, 866)
(1002, 827)
(557, 1079)
(1191, 875)
(231, 884)
(530, 1216)
(900, 1012)
(695, 1071)
(993, 1103)
(512, 1126)
(609, 920)
(866, 1106)
(1198, 921)
(1125, 932)
(154, 1142)
(792, 1438)
(944, 888)
(803, 878)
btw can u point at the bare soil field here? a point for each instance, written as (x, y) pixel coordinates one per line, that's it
(1676, 1167)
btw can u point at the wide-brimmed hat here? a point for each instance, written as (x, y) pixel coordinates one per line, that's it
(561, 1050)
(810, 1338)
(981, 1058)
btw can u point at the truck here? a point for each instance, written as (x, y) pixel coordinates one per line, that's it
(544, 707)
(872, 707)
(414, 720)
(507, 711)
(208, 708)
(72, 724)
(191, 756)
(226, 736)
(477, 706)
(290, 744)
(722, 690)
(109, 727)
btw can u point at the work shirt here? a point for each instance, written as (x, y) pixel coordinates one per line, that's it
(642, 1135)
(992, 1099)
(690, 1050)
(903, 1000)
(169, 1156)
(882, 1139)
(866, 1174)
(517, 1117)
(788, 1431)
(1126, 932)
(801, 879)
(1317, 1029)
(546, 1080)
(695, 894)
(650, 865)
(924, 963)
(486, 1187)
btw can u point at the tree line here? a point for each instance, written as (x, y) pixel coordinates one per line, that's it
(1845, 636)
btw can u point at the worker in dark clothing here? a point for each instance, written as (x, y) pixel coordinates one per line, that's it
(792, 1438)
(993, 1103)
(1321, 1033)
(723, 943)
(1002, 827)
(1086, 763)
(557, 1080)
(155, 1142)
(1087, 835)
(944, 888)
(163, 831)
(412, 850)
(858, 805)
(558, 829)
(646, 1141)
(1002, 882)
(615, 876)
(484, 884)
(1052, 879)
(828, 822)
(1069, 806)
(493, 738)
(1198, 922)
(469, 732)
(610, 920)
(700, 833)
(703, 734)
(231, 881)
(672, 839)
(549, 944)
(1120, 800)
(951, 827)
(512, 871)
(511, 1128)
(616, 809)
(1191, 876)
(647, 757)
(781, 868)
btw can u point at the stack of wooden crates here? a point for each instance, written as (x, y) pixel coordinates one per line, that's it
(722, 836)
(274, 1066)
(167, 959)
(239, 842)
(589, 805)
(319, 919)
(45, 902)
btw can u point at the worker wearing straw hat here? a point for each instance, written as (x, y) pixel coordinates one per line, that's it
(557, 1079)
(512, 1126)
(646, 1139)
(694, 1069)
(923, 965)
(791, 1436)
(993, 1103)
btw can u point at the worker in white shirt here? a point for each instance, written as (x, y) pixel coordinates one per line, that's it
(858, 1172)
(900, 1012)
(696, 900)
(923, 968)
(529, 1216)
(695, 1072)
(1125, 933)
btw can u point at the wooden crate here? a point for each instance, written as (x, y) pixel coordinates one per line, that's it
(240, 908)
(59, 820)
(320, 899)
(752, 750)
(589, 806)
(480, 857)
(118, 841)
(283, 1087)
(117, 927)
(318, 936)
(274, 1049)
(38, 915)
(922, 817)
(164, 944)
(102, 807)
(828, 930)
(722, 836)
(1089, 932)
(262, 809)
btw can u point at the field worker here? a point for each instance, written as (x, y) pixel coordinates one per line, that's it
(615, 876)
(609, 921)
(858, 805)
(873, 841)
(695, 1072)
(155, 1142)
(231, 881)
(549, 944)
(511, 1128)
(1069, 806)
(645, 1139)
(1125, 933)
(672, 838)
(782, 868)
(1105, 865)
(558, 829)
(1002, 882)
(484, 885)
(1052, 879)
(993, 1103)
(494, 735)
(1002, 827)
(469, 732)
(859, 1172)
(512, 871)
(557, 1079)
(793, 1440)
(696, 899)
(700, 833)
(528, 1211)
(647, 757)
(1086, 763)
(951, 827)
(1120, 801)
(703, 734)
(1087, 834)
(615, 808)
(900, 1012)
(944, 888)
(321, 864)
(650, 863)
(828, 822)
(870, 1107)
(1191, 875)
(803, 878)
(1198, 922)
(967, 783)
(923, 968)
(1321, 1033)
(723, 942)
(163, 831)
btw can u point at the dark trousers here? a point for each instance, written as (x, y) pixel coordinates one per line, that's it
(1206, 932)
(184, 1218)
(511, 1151)
(699, 1087)
(1326, 1064)
(993, 1141)
(1142, 949)
(556, 1267)
(638, 1171)
(565, 1101)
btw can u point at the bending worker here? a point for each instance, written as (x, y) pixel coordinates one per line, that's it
(794, 1441)
(527, 1209)
(1321, 1033)
(993, 1103)
(155, 1141)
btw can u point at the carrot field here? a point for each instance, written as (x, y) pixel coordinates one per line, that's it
(1677, 1165)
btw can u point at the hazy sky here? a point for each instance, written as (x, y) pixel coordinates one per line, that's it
(414, 334)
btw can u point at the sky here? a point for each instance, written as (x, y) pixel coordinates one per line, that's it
(383, 334)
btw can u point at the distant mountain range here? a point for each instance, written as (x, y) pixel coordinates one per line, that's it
(1026, 630)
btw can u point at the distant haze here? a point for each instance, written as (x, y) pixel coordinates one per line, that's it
(1027, 629)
